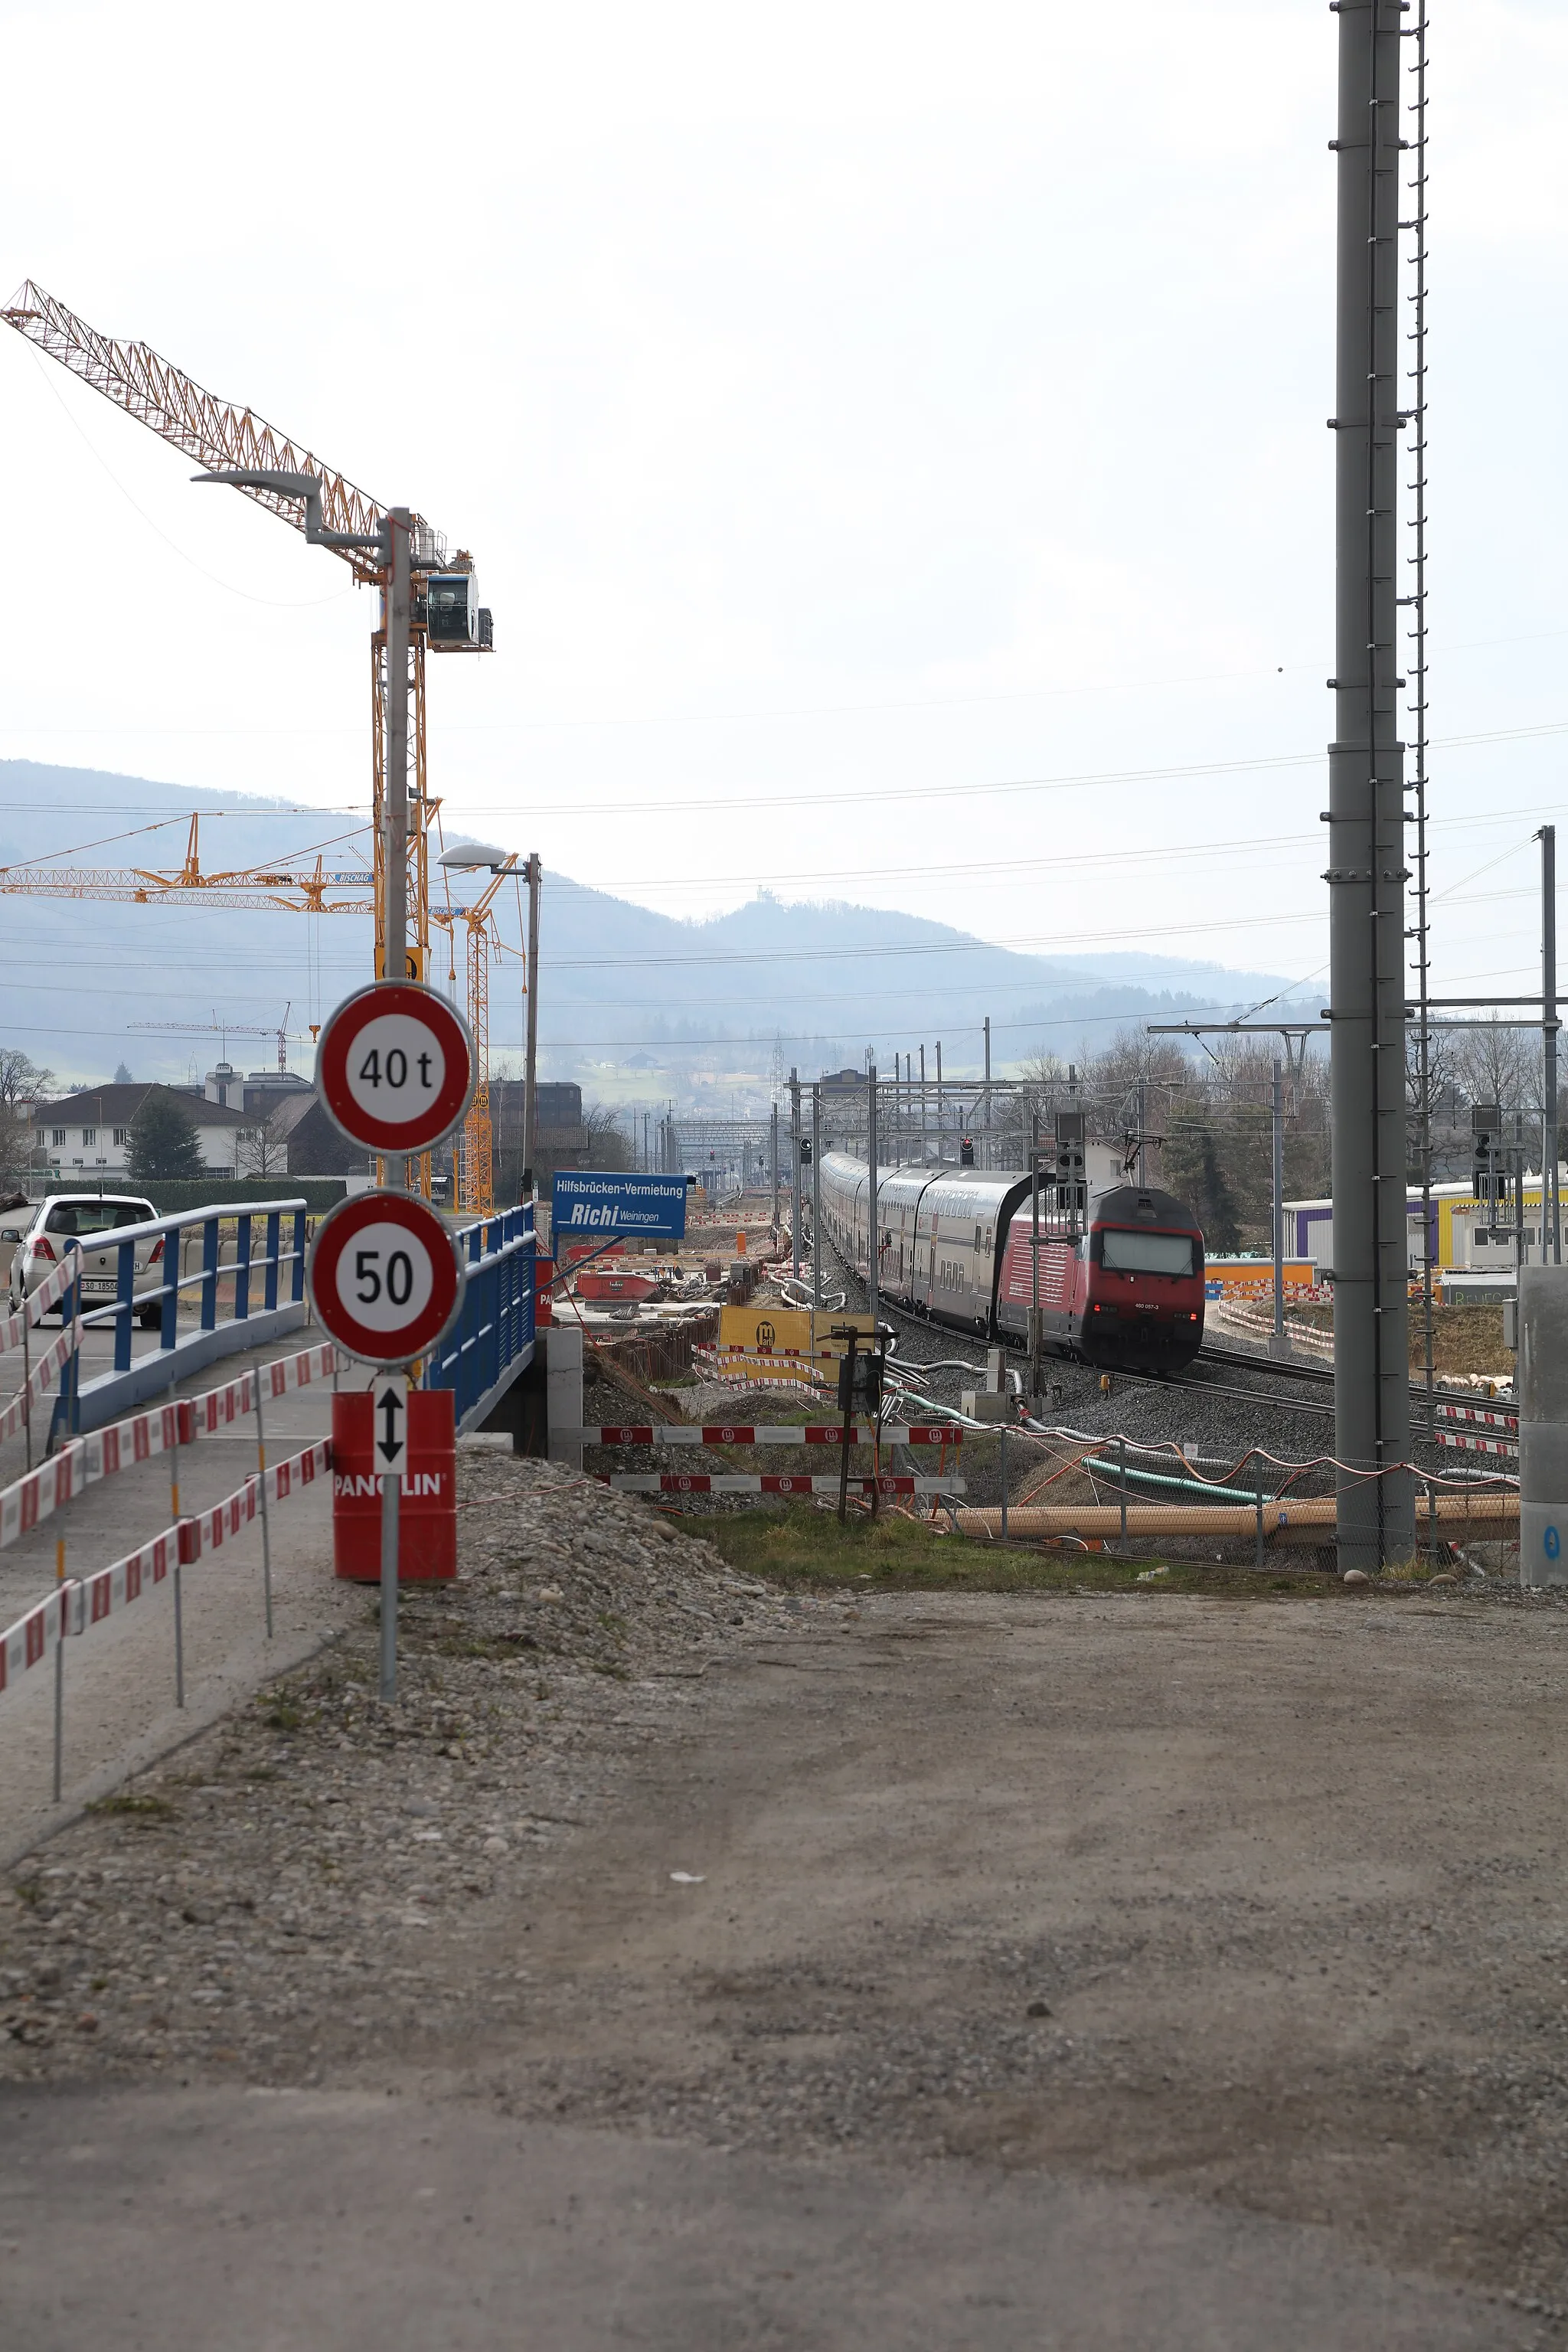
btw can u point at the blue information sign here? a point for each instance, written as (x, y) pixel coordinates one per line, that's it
(653, 1206)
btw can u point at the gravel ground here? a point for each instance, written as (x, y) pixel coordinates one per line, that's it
(1257, 1906)
(193, 1918)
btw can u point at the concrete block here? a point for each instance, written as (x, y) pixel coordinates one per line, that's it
(979, 1404)
(1542, 1461)
(1543, 1543)
(564, 1392)
(1544, 1343)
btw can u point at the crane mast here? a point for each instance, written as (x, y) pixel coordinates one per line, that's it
(221, 436)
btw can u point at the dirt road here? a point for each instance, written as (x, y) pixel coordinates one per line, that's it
(981, 1972)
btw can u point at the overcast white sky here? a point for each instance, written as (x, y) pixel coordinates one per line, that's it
(852, 410)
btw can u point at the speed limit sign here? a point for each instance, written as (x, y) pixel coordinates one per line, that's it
(386, 1277)
(396, 1067)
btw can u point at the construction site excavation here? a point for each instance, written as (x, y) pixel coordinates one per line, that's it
(783, 1344)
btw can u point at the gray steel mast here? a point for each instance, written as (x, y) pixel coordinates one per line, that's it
(1366, 873)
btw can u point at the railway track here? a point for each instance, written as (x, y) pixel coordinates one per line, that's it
(930, 1331)
(1267, 1368)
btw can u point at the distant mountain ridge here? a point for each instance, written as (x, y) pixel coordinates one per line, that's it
(822, 978)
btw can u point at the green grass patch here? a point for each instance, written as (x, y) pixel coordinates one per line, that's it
(128, 1806)
(803, 1549)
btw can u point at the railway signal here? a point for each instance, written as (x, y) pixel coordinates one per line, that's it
(396, 1067)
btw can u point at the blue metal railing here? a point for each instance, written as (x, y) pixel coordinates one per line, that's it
(283, 1247)
(492, 1339)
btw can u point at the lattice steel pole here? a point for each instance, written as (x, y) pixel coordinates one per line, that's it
(1366, 873)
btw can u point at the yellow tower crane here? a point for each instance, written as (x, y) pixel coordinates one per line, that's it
(476, 1160)
(306, 889)
(446, 614)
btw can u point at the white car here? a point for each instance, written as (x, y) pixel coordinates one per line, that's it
(42, 1235)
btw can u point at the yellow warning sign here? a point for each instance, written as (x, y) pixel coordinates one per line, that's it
(785, 1331)
(765, 1330)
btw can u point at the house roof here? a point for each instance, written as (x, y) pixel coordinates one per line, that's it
(118, 1106)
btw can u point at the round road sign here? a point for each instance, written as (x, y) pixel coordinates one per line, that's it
(386, 1277)
(396, 1067)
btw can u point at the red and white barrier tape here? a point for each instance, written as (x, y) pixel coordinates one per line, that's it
(1478, 1414)
(36, 1304)
(35, 1638)
(36, 1495)
(53, 1359)
(79, 1605)
(1504, 1447)
(755, 1372)
(734, 1433)
(783, 1484)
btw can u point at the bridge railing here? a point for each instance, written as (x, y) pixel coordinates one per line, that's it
(268, 1298)
(491, 1343)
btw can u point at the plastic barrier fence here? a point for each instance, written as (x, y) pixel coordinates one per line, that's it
(49, 1293)
(1458, 1426)
(78, 1605)
(53, 1360)
(41, 1493)
(721, 1433)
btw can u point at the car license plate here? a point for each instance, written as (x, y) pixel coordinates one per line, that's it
(97, 1286)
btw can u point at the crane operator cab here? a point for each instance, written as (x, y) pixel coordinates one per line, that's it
(454, 618)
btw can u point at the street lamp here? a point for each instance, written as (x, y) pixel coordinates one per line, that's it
(480, 857)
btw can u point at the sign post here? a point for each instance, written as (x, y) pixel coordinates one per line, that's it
(385, 1281)
(389, 1451)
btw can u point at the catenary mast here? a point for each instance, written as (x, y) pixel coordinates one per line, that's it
(1366, 873)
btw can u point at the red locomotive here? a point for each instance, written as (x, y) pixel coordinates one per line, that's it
(1121, 1281)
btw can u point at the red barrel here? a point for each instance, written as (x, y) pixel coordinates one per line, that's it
(428, 1504)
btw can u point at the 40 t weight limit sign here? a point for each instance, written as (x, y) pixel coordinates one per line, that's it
(396, 1067)
(386, 1277)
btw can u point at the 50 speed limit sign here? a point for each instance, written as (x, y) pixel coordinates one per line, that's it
(386, 1277)
(396, 1067)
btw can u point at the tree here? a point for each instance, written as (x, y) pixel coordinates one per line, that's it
(21, 1079)
(122, 1076)
(21, 1084)
(16, 1143)
(263, 1149)
(1196, 1171)
(608, 1147)
(164, 1144)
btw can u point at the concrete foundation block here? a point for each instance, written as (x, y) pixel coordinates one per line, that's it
(564, 1392)
(1543, 1543)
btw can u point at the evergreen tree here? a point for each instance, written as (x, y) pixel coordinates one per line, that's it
(164, 1144)
(1195, 1172)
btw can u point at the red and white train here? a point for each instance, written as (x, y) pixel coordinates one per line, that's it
(953, 1244)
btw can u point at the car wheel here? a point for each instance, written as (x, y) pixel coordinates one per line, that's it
(152, 1318)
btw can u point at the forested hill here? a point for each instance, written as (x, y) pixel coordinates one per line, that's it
(822, 979)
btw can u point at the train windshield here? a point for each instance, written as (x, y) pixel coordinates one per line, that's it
(1129, 1252)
